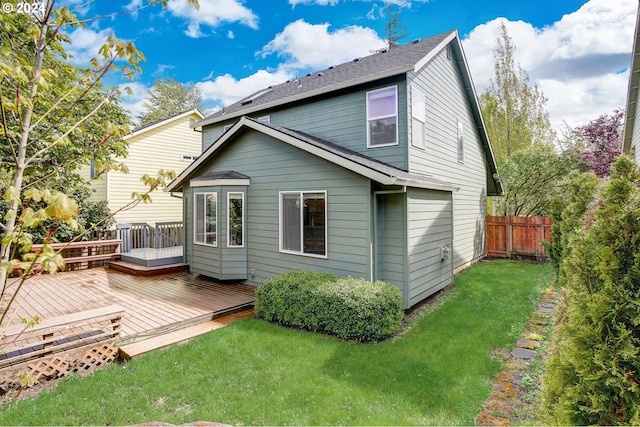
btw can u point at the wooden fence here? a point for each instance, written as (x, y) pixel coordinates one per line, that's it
(518, 236)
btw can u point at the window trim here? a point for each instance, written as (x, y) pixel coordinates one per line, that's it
(241, 193)
(422, 119)
(281, 225)
(369, 119)
(195, 240)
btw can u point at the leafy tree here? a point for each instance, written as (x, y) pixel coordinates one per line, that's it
(602, 139)
(513, 109)
(169, 97)
(50, 123)
(592, 374)
(531, 180)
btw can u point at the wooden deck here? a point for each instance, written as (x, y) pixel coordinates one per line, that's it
(154, 305)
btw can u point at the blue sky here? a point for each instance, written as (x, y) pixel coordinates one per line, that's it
(576, 51)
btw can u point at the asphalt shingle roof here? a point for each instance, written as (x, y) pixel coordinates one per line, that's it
(398, 58)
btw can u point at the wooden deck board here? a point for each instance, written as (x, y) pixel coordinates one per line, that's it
(151, 303)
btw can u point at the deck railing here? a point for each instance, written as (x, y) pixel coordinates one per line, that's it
(141, 235)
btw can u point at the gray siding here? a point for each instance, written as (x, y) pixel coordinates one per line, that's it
(446, 103)
(635, 136)
(429, 229)
(340, 119)
(275, 166)
(391, 241)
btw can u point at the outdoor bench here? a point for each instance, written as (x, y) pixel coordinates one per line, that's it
(91, 251)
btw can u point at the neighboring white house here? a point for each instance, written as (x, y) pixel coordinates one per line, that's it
(169, 144)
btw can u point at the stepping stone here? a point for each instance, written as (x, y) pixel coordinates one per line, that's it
(523, 353)
(528, 344)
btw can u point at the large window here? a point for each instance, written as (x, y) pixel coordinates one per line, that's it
(235, 206)
(303, 223)
(205, 218)
(382, 117)
(417, 118)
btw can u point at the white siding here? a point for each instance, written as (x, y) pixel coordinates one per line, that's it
(150, 151)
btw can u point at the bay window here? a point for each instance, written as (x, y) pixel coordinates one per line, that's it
(205, 218)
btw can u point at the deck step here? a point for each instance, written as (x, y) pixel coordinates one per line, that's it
(181, 336)
(145, 271)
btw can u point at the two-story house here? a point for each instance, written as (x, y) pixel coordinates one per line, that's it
(631, 137)
(169, 144)
(376, 168)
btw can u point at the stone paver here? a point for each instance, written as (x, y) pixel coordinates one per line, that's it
(507, 391)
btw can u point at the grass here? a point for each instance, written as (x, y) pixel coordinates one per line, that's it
(255, 373)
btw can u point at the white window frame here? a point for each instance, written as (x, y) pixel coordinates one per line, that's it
(420, 116)
(264, 119)
(281, 225)
(229, 194)
(460, 141)
(195, 204)
(369, 119)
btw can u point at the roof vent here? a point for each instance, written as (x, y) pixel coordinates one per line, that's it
(319, 74)
(309, 75)
(256, 95)
(416, 41)
(331, 68)
(356, 60)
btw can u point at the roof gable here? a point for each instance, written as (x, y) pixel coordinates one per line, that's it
(158, 123)
(358, 163)
(387, 63)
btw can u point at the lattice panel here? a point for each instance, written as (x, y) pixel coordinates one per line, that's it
(97, 357)
(54, 367)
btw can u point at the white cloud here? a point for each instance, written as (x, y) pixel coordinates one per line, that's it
(576, 61)
(212, 13)
(314, 46)
(226, 89)
(134, 103)
(85, 44)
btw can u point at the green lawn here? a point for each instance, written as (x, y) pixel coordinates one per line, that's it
(438, 373)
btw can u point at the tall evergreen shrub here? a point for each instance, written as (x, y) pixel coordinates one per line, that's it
(567, 213)
(593, 374)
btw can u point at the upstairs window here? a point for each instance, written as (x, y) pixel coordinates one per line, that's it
(303, 223)
(417, 118)
(382, 117)
(205, 218)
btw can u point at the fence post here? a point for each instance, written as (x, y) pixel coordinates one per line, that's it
(123, 232)
(509, 237)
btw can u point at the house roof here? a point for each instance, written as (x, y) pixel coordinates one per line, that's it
(358, 163)
(386, 63)
(632, 91)
(153, 125)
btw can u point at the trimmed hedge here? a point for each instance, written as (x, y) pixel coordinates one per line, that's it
(349, 308)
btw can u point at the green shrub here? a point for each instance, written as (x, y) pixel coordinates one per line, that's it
(592, 376)
(349, 308)
(567, 213)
